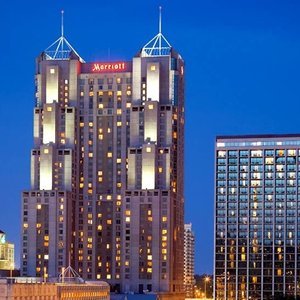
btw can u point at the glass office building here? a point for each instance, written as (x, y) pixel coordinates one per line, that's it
(257, 216)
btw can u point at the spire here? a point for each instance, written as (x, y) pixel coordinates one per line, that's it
(159, 23)
(157, 46)
(62, 23)
(61, 49)
(69, 275)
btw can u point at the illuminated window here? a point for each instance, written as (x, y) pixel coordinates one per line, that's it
(221, 153)
(256, 153)
(153, 68)
(46, 151)
(119, 93)
(39, 206)
(269, 160)
(109, 154)
(119, 124)
(109, 222)
(291, 152)
(148, 149)
(127, 219)
(52, 71)
(150, 106)
(160, 169)
(49, 108)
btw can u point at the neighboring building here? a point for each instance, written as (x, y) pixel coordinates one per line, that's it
(33, 288)
(189, 260)
(7, 254)
(257, 217)
(107, 169)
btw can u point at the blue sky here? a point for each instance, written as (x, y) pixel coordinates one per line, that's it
(242, 77)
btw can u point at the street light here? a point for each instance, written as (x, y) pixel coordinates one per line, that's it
(206, 279)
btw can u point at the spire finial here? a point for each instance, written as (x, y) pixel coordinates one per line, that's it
(62, 23)
(159, 25)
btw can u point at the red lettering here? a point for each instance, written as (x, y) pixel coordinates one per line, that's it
(96, 68)
(102, 67)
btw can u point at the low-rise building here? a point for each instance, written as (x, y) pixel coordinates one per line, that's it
(7, 261)
(34, 288)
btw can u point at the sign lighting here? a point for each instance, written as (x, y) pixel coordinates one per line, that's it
(109, 67)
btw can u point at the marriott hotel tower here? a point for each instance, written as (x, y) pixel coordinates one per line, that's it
(107, 168)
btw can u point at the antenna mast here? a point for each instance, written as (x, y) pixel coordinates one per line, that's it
(159, 25)
(62, 23)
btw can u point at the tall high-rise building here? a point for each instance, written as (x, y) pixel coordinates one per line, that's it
(7, 253)
(107, 168)
(257, 241)
(189, 260)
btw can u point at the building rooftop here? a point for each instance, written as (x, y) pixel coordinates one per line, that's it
(158, 45)
(256, 136)
(61, 49)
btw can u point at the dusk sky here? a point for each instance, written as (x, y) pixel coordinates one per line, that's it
(242, 77)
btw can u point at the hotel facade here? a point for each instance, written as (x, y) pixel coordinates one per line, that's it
(257, 217)
(107, 169)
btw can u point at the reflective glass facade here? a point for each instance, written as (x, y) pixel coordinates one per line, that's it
(257, 217)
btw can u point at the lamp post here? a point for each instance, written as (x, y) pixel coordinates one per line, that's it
(206, 279)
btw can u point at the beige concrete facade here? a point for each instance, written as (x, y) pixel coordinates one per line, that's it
(109, 137)
(11, 290)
